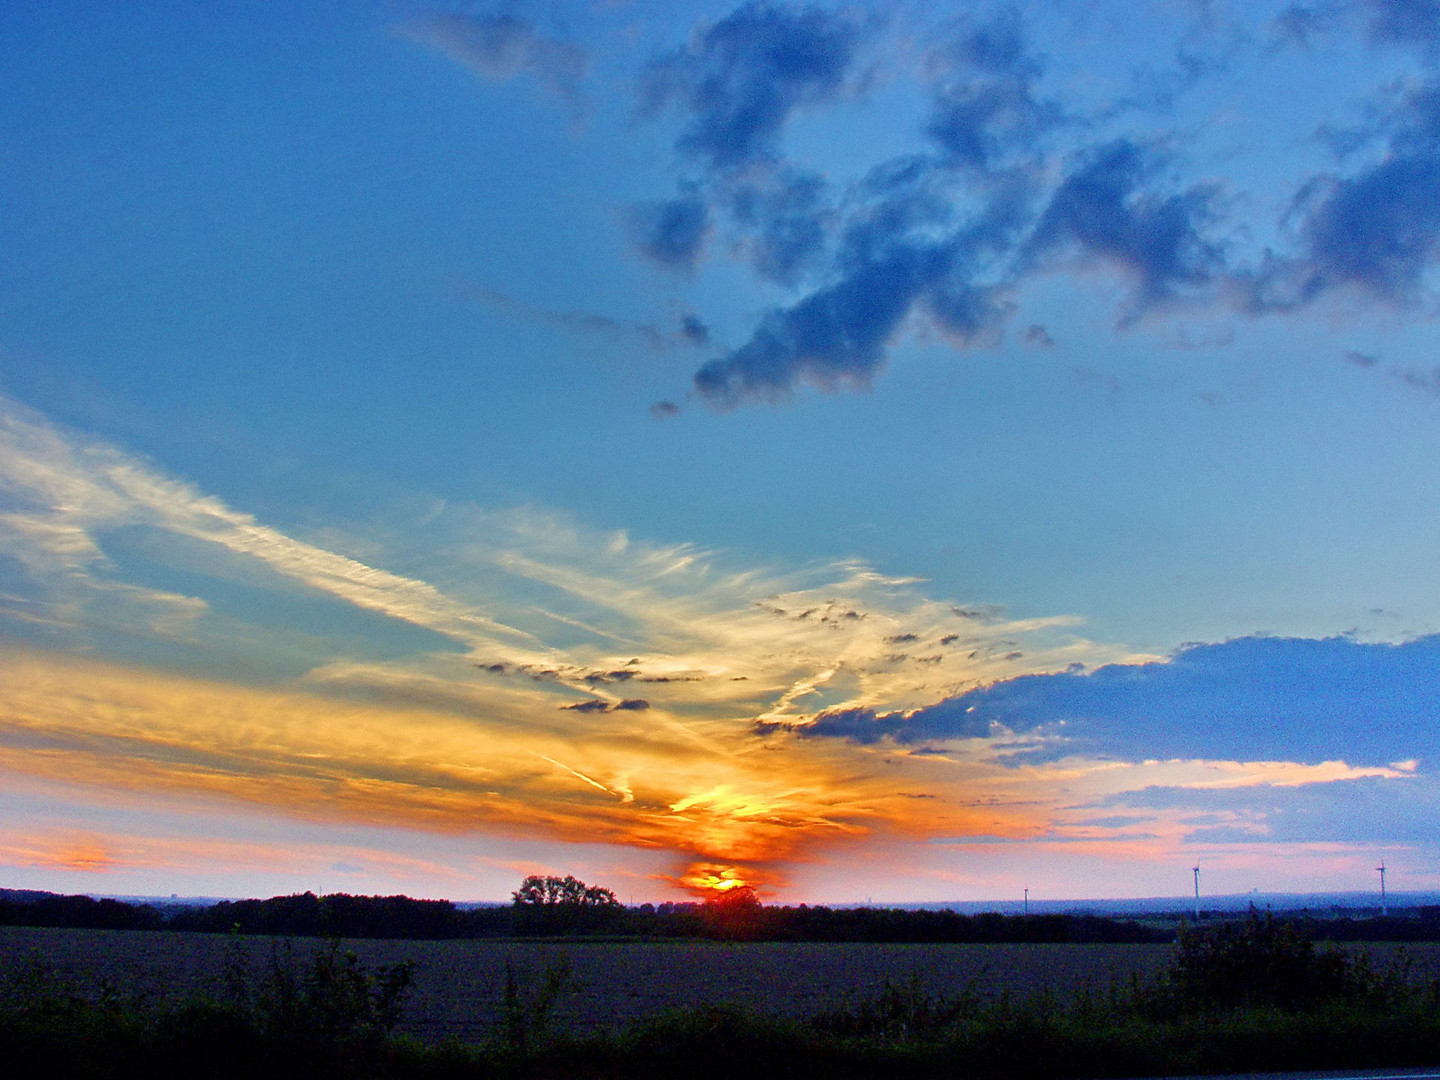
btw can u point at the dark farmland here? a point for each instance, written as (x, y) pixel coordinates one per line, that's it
(458, 984)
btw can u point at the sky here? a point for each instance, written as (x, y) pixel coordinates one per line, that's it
(880, 451)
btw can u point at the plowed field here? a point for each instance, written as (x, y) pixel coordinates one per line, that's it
(458, 984)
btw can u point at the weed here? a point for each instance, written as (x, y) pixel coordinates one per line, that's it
(527, 1003)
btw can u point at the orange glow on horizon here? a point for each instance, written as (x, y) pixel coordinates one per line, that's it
(727, 809)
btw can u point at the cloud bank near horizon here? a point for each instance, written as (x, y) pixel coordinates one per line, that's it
(1249, 699)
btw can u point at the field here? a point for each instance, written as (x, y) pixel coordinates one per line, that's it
(458, 984)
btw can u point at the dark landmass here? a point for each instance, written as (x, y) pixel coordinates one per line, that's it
(341, 915)
(1246, 996)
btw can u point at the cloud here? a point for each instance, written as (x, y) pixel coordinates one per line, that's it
(1415, 22)
(502, 47)
(1376, 231)
(61, 491)
(1379, 230)
(1250, 699)
(663, 410)
(531, 612)
(590, 705)
(690, 332)
(1037, 337)
(1011, 187)
(835, 337)
(786, 219)
(694, 330)
(1301, 24)
(1364, 810)
(987, 106)
(1360, 359)
(890, 264)
(1387, 22)
(595, 705)
(671, 232)
(740, 80)
(837, 663)
(1427, 382)
(1103, 211)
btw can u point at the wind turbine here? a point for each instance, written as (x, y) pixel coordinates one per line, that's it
(1383, 911)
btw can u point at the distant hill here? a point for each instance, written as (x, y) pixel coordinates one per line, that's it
(1316, 903)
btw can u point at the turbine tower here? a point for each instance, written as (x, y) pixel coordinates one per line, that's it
(1197, 893)
(1384, 912)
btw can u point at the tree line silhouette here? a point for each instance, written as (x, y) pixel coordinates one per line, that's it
(566, 907)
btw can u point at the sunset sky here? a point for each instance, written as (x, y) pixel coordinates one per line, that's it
(900, 451)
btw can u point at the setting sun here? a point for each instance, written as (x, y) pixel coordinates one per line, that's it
(714, 880)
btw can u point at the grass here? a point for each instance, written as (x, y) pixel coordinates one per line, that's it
(1257, 997)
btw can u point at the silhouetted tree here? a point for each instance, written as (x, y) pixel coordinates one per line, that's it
(570, 890)
(556, 905)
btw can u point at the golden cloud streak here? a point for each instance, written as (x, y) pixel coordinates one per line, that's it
(98, 724)
(749, 809)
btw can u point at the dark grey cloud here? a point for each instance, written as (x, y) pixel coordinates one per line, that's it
(1250, 699)
(994, 44)
(1360, 359)
(943, 240)
(786, 217)
(833, 337)
(1411, 22)
(986, 613)
(590, 705)
(1386, 22)
(663, 410)
(690, 332)
(595, 678)
(694, 330)
(502, 47)
(889, 264)
(739, 80)
(1378, 230)
(595, 705)
(1301, 24)
(1104, 210)
(987, 105)
(1427, 382)
(1037, 337)
(671, 232)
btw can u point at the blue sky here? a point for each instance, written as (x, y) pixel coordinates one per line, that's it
(938, 447)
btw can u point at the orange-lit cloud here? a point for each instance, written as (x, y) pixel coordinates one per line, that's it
(85, 853)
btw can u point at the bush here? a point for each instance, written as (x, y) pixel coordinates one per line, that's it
(1263, 963)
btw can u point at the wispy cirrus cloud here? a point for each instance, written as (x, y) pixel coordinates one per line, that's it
(502, 47)
(637, 666)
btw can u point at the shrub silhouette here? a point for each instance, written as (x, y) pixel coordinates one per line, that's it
(330, 1001)
(1260, 962)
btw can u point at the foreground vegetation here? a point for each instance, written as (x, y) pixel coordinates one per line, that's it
(1254, 996)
